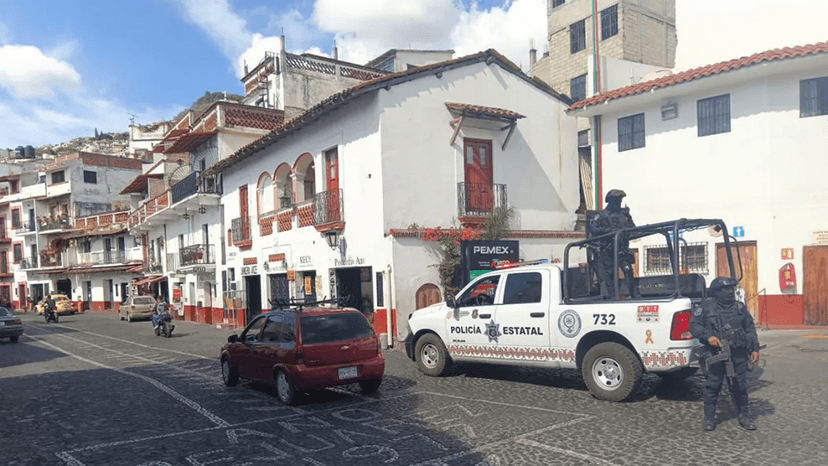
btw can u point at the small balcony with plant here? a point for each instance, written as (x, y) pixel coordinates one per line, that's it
(477, 201)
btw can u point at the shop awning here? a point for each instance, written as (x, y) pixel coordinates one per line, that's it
(149, 280)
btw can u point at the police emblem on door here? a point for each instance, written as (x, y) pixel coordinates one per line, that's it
(569, 323)
(493, 331)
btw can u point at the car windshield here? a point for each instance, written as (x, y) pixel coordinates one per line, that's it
(143, 301)
(334, 327)
(4, 312)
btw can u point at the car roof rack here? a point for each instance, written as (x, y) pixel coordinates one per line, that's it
(500, 265)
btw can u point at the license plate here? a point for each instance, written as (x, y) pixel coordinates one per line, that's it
(347, 373)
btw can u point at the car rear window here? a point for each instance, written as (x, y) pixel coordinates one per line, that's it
(4, 312)
(334, 327)
(143, 301)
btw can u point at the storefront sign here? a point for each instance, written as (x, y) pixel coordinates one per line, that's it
(291, 275)
(820, 237)
(176, 294)
(250, 270)
(349, 261)
(476, 256)
(305, 261)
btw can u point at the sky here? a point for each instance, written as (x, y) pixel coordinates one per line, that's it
(69, 67)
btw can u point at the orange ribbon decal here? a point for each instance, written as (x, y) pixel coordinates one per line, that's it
(649, 337)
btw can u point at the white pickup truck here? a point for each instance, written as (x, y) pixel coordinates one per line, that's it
(538, 315)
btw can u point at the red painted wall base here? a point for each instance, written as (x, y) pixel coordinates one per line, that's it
(781, 310)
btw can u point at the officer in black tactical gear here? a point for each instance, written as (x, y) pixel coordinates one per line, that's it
(722, 318)
(613, 218)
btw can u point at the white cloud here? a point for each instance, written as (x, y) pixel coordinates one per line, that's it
(743, 27)
(365, 30)
(510, 30)
(253, 55)
(224, 27)
(28, 73)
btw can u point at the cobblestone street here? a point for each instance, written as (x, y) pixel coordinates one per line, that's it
(93, 390)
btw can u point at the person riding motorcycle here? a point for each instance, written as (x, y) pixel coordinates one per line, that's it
(159, 309)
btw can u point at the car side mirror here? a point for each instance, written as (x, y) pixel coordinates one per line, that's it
(233, 338)
(451, 301)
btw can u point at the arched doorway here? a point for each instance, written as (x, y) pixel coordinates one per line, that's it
(427, 295)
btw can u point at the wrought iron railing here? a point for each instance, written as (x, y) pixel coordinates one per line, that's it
(195, 183)
(478, 199)
(27, 264)
(154, 266)
(240, 229)
(328, 207)
(197, 254)
(64, 223)
(25, 226)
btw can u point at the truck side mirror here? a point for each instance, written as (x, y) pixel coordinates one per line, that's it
(451, 301)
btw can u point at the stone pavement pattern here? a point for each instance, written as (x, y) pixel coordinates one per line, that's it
(96, 391)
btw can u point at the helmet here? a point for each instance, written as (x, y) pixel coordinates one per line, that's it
(721, 282)
(614, 193)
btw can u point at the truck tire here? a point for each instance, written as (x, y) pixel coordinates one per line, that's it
(678, 375)
(611, 371)
(432, 356)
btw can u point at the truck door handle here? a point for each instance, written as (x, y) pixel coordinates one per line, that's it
(485, 316)
(537, 314)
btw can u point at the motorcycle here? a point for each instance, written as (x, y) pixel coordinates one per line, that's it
(165, 326)
(51, 316)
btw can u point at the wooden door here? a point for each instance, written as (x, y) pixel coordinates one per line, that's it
(245, 213)
(332, 185)
(478, 175)
(427, 295)
(815, 284)
(750, 269)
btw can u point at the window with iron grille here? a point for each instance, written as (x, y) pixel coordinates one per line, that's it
(713, 115)
(692, 259)
(557, 3)
(609, 22)
(631, 132)
(577, 88)
(58, 177)
(577, 36)
(813, 97)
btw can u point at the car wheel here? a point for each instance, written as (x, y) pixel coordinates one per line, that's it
(285, 389)
(369, 386)
(678, 375)
(14, 339)
(229, 374)
(611, 371)
(432, 356)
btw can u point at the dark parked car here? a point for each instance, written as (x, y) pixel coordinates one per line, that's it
(10, 325)
(305, 348)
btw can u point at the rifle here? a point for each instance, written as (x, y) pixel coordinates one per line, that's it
(724, 353)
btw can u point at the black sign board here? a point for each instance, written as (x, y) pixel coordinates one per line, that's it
(476, 256)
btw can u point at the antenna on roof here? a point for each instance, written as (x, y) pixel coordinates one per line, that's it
(131, 119)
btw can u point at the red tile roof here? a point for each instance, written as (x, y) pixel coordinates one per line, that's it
(189, 141)
(477, 110)
(253, 117)
(704, 71)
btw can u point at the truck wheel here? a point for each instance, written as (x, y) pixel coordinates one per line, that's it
(678, 375)
(432, 356)
(611, 371)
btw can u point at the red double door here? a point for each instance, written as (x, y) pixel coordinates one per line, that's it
(478, 175)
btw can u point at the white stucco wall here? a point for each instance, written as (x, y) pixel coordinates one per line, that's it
(765, 175)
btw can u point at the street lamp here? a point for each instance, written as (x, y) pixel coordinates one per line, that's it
(332, 237)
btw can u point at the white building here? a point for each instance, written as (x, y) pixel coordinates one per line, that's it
(371, 167)
(745, 141)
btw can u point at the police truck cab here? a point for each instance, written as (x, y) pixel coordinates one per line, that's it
(554, 315)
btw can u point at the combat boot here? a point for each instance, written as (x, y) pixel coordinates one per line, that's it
(746, 422)
(709, 424)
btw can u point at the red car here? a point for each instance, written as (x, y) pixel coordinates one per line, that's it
(306, 348)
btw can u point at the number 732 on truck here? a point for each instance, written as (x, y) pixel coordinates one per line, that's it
(558, 315)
